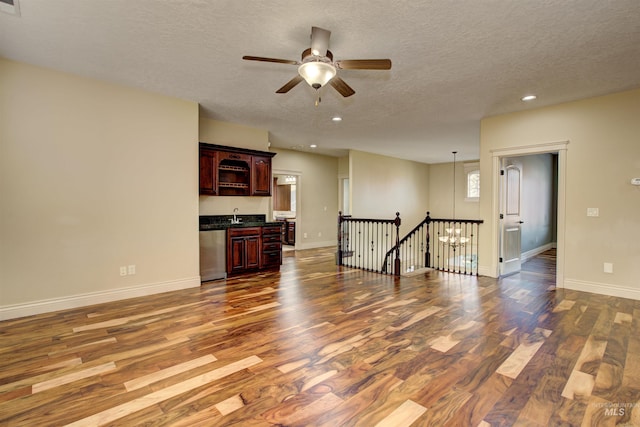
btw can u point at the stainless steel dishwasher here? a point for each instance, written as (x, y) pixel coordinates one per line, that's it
(213, 250)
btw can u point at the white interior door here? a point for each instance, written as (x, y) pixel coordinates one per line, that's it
(511, 221)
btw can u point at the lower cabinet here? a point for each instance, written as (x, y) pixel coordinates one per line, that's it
(271, 246)
(253, 248)
(291, 233)
(243, 249)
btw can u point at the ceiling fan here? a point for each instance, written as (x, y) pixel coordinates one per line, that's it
(318, 68)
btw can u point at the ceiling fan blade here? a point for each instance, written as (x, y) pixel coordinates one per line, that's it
(290, 84)
(319, 41)
(278, 61)
(340, 85)
(364, 64)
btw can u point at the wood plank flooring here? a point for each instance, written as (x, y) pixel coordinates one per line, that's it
(319, 345)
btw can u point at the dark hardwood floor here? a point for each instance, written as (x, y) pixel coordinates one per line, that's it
(319, 345)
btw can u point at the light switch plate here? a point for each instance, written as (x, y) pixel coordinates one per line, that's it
(593, 212)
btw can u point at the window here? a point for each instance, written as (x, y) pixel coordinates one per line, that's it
(472, 170)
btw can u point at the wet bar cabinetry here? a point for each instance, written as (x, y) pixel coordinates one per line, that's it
(243, 249)
(234, 174)
(230, 171)
(253, 248)
(271, 246)
(261, 175)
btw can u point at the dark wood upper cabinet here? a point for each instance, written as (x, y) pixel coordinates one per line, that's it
(231, 171)
(208, 172)
(260, 176)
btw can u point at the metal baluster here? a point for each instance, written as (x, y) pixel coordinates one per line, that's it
(369, 225)
(371, 254)
(365, 242)
(474, 258)
(388, 237)
(356, 249)
(466, 248)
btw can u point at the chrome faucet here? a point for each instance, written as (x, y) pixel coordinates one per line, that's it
(235, 219)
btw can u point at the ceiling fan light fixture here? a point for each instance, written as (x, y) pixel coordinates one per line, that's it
(316, 73)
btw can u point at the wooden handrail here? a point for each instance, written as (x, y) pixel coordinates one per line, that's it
(425, 223)
(364, 243)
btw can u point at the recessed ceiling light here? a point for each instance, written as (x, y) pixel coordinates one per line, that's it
(313, 146)
(336, 119)
(529, 98)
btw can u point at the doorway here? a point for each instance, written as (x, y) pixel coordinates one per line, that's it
(285, 205)
(508, 246)
(529, 201)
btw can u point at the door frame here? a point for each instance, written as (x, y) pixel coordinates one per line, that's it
(560, 148)
(298, 176)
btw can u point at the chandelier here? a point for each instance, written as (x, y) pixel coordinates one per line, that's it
(454, 237)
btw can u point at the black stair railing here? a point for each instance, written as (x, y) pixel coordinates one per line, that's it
(363, 243)
(436, 243)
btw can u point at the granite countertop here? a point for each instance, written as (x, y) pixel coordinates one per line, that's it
(225, 225)
(223, 222)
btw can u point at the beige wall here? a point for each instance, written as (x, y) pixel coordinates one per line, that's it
(233, 135)
(382, 186)
(93, 176)
(317, 211)
(602, 156)
(441, 194)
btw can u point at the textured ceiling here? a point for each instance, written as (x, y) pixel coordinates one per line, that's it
(454, 62)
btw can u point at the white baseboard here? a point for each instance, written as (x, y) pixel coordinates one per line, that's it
(314, 245)
(533, 252)
(75, 301)
(486, 271)
(602, 289)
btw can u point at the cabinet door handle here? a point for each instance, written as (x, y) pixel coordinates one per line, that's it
(234, 156)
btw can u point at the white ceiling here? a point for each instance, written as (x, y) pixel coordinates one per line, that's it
(454, 61)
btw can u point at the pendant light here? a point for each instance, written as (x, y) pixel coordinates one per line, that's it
(453, 236)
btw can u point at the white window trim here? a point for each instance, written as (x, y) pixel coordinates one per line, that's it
(468, 168)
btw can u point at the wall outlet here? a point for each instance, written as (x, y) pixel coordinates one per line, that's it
(304, 235)
(319, 233)
(131, 269)
(123, 271)
(593, 212)
(608, 267)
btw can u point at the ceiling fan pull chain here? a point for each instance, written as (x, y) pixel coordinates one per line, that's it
(318, 100)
